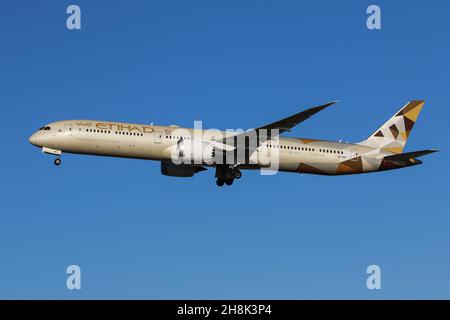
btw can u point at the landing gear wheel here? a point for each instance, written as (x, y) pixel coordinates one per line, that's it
(220, 182)
(57, 161)
(229, 182)
(237, 174)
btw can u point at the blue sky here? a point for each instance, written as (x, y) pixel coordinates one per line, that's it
(232, 64)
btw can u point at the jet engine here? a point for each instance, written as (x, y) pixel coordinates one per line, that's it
(179, 170)
(194, 152)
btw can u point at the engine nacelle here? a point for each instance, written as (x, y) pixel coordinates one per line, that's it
(179, 170)
(193, 152)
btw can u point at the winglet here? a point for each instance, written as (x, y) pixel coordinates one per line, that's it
(328, 104)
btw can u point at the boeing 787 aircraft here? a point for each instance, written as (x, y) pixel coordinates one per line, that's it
(184, 152)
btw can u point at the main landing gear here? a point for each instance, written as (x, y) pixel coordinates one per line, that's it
(57, 161)
(226, 175)
(221, 182)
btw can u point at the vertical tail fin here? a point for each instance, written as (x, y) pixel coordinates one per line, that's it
(392, 135)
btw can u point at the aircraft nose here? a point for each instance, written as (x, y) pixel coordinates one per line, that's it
(34, 140)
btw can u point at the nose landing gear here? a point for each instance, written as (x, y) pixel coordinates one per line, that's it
(54, 152)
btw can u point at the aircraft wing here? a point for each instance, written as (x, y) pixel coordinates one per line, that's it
(288, 123)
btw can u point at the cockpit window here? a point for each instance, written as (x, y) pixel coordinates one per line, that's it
(44, 128)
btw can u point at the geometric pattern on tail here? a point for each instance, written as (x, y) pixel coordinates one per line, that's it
(392, 136)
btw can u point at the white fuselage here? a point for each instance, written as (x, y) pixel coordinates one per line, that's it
(151, 142)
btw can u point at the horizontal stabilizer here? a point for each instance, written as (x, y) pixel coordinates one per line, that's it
(409, 156)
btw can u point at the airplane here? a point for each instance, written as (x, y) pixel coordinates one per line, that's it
(231, 152)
